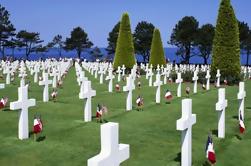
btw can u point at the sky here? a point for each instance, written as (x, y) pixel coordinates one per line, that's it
(98, 17)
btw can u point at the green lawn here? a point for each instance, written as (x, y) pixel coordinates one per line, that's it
(151, 134)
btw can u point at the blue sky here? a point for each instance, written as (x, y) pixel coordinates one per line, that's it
(97, 17)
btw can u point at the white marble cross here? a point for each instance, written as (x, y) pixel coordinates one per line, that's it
(158, 84)
(110, 77)
(54, 75)
(195, 79)
(119, 73)
(221, 107)
(46, 82)
(2, 86)
(185, 125)
(178, 81)
(208, 76)
(36, 71)
(23, 103)
(150, 76)
(22, 75)
(101, 72)
(112, 153)
(129, 88)
(123, 70)
(218, 78)
(82, 79)
(7, 72)
(241, 97)
(87, 94)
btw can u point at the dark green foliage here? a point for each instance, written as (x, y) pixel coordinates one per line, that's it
(183, 37)
(7, 30)
(124, 50)
(112, 39)
(245, 39)
(157, 55)
(78, 41)
(142, 39)
(204, 41)
(96, 53)
(226, 44)
(58, 43)
(28, 40)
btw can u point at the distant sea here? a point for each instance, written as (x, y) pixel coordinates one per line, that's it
(170, 54)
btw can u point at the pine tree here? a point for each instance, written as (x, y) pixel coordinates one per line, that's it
(157, 55)
(226, 44)
(124, 53)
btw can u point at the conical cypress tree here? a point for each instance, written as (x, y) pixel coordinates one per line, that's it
(157, 55)
(124, 53)
(226, 44)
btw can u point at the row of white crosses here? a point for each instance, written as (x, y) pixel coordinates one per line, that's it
(110, 78)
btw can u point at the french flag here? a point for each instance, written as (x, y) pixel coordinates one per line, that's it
(37, 126)
(168, 95)
(241, 125)
(210, 154)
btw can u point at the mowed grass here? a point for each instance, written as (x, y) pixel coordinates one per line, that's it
(152, 134)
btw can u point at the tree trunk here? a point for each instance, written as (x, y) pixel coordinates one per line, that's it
(187, 58)
(79, 53)
(205, 60)
(248, 53)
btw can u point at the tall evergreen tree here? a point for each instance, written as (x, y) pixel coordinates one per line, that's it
(226, 44)
(142, 39)
(7, 30)
(157, 55)
(124, 50)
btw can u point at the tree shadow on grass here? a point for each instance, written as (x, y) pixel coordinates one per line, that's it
(238, 137)
(235, 117)
(215, 132)
(249, 108)
(41, 138)
(6, 109)
(206, 163)
(178, 157)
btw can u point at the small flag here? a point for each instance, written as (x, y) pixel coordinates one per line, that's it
(187, 90)
(168, 95)
(139, 84)
(210, 154)
(241, 125)
(3, 102)
(117, 87)
(203, 86)
(139, 101)
(37, 126)
(54, 94)
(225, 82)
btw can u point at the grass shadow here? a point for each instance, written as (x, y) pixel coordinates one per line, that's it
(206, 163)
(249, 108)
(215, 132)
(31, 133)
(178, 157)
(6, 109)
(235, 117)
(238, 137)
(41, 138)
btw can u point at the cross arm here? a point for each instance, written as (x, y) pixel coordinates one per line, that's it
(182, 124)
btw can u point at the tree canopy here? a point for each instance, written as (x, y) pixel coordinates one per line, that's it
(183, 37)
(78, 41)
(142, 39)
